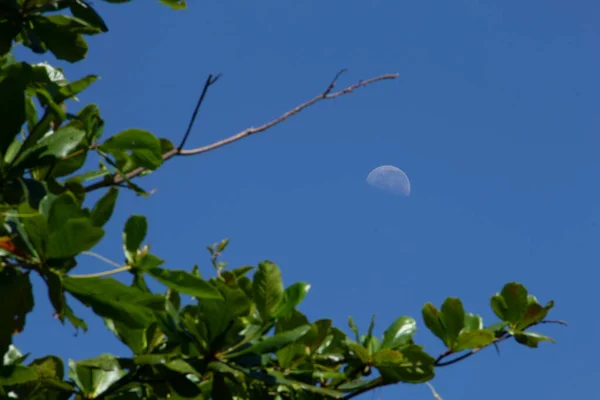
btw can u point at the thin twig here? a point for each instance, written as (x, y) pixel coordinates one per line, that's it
(457, 359)
(209, 82)
(326, 95)
(334, 81)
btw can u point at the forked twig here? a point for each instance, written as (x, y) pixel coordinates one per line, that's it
(179, 151)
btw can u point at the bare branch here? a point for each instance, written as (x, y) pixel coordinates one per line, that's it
(326, 95)
(209, 82)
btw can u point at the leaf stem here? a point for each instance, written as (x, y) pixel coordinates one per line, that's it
(101, 274)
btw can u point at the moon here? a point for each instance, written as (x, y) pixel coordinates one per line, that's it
(391, 179)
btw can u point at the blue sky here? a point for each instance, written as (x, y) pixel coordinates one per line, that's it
(494, 118)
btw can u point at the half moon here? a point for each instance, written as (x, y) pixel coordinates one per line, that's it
(391, 179)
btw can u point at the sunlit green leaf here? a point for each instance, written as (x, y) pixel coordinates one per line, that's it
(473, 339)
(399, 333)
(267, 289)
(411, 365)
(433, 320)
(453, 318)
(515, 298)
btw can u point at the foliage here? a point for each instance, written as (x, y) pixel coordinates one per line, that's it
(240, 336)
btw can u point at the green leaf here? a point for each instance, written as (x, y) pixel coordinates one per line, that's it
(62, 35)
(354, 328)
(292, 297)
(433, 321)
(531, 339)
(240, 272)
(185, 282)
(267, 289)
(135, 339)
(111, 299)
(515, 298)
(91, 380)
(453, 318)
(143, 147)
(499, 306)
(472, 322)
(13, 357)
(50, 148)
(17, 375)
(8, 30)
(361, 352)
(49, 367)
(175, 4)
(473, 339)
(13, 82)
(30, 114)
(104, 208)
(411, 365)
(70, 90)
(16, 298)
(534, 313)
(75, 235)
(276, 342)
(134, 234)
(400, 333)
(85, 12)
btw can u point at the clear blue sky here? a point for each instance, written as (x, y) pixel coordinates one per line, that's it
(495, 119)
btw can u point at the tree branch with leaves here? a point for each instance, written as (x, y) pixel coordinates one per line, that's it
(230, 336)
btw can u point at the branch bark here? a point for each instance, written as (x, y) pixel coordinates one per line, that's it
(328, 94)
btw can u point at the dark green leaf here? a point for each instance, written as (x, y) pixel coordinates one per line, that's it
(133, 338)
(185, 282)
(112, 299)
(135, 231)
(62, 35)
(276, 342)
(16, 298)
(267, 289)
(361, 352)
(17, 375)
(142, 146)
(75, 235)
(50, 148)
(399, 333)
(84, 11)
(104, 208)
(13, 82)
(8, 30)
